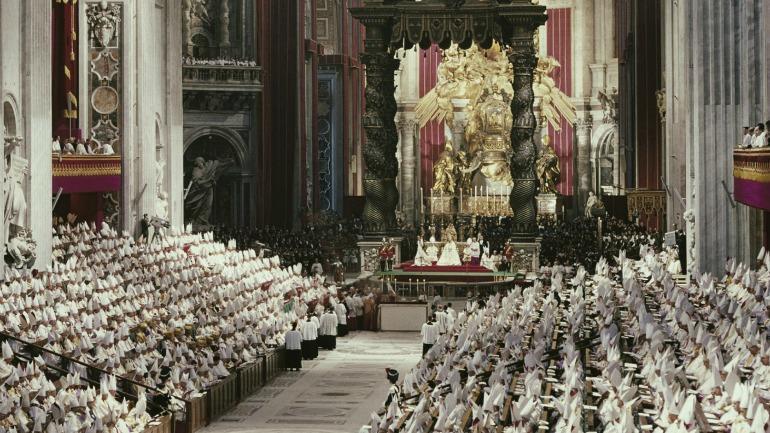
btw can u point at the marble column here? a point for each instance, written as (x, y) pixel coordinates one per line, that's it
(2, 140)
(379, 126)
(146, 39)
(458, 131)
(583, 171)
(186, 34)
(130, 155)
(174, 146)
(581, 94)
(224, 28)
(408, 130)
(408, 94)
(718, 96)
(36, 103)
(584, 48)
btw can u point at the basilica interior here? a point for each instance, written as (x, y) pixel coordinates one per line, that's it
(385, 216)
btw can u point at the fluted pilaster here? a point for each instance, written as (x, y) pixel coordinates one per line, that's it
(36, 103)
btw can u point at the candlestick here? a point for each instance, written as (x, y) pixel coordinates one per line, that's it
(422, 202)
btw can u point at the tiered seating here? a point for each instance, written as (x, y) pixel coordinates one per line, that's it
(625, 350)
(179, 318)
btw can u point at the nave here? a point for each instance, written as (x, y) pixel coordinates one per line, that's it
(333, 393)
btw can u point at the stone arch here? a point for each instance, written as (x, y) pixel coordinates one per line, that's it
(231, 137)
(606, 161)
(10, 116)
(203, 44)
(158, 131)
(232, 202)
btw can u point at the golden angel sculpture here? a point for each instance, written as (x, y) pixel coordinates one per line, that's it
(548, 171)
(445, 172)
(462, 75)
(554, 104)
(478, 81)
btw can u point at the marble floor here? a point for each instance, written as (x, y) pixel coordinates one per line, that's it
(334, 393)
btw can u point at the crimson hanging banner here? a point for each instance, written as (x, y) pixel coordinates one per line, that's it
(64, 67)
(751, 173)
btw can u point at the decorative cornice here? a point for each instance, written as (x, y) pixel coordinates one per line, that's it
(752, 164)
(438, 22)
(86, 165)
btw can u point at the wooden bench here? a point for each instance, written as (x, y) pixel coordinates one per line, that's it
(195, 416)
(250, 378)
(161, 424)
(222, 396)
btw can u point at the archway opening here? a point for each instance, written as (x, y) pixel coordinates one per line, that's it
(230, 200)
(9, 119)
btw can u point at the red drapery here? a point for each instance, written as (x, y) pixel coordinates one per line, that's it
(432, 135)
(281, 54)
(559, 41)
(64, 67)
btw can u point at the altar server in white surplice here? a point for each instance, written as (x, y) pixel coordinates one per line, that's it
(342, 319)
(293, 348)
(309, 339)
(328, 331)
(429, 333)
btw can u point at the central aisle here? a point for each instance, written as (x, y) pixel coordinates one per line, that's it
(334, 393)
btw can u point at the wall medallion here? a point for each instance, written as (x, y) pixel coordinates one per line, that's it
(104, 100)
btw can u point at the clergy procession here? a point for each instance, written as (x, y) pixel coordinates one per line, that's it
(126, 330)
(631, 348)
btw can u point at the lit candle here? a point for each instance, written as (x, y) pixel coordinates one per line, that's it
(422, 201)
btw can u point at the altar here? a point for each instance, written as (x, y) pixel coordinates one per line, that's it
(403, 316)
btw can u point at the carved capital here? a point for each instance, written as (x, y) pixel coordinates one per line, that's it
(584, 125)
(408, 125)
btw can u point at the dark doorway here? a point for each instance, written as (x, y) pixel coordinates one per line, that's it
(229, 197)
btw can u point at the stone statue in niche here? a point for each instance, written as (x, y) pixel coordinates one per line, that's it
(594, 206)
(200, 10)
(609, 100)
(199, 196)
(16, 169)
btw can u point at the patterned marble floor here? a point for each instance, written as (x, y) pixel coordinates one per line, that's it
(334, 393)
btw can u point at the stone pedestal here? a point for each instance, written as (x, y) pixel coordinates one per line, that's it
(368, 253)
(547, 205)
(526, 257)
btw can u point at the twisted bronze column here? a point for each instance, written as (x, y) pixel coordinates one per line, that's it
(380, 129)
(522, 199)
